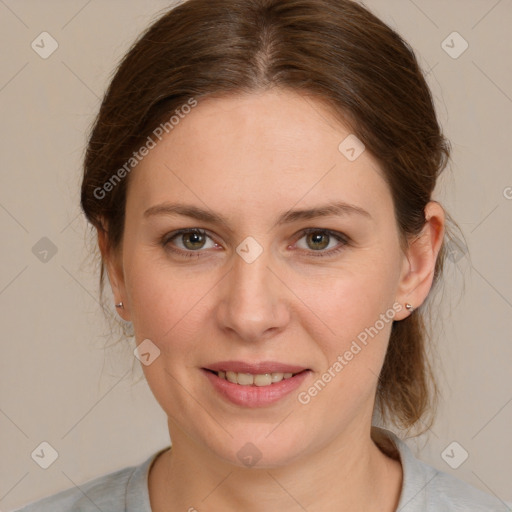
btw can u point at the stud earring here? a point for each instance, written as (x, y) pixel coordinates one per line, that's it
(409, 307)
(120, 305)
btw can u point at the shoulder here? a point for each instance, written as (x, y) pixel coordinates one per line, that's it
(122, 490)
(448, 490)
(104, 493)
(427, 489)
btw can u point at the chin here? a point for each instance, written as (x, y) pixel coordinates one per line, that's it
(260, 451)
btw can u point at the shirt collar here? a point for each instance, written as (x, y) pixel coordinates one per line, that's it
(416, 474)
(137, 490)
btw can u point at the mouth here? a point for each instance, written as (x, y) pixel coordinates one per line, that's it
(254, 379)
(264, 373)
(254, 384)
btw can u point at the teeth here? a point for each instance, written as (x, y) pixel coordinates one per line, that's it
(245, 379)
(263, 380)
(248, 379)
(231, 376)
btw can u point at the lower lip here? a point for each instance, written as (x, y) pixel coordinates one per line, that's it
(255, 396)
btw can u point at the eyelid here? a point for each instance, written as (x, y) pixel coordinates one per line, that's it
(335, 234)
(168, 237)
(343, 240)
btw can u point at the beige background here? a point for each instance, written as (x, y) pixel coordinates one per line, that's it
(59, 385)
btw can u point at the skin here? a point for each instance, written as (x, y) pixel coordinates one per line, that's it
(251, 158)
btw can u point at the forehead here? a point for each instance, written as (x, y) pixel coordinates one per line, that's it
(252, 150)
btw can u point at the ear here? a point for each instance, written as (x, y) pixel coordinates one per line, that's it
(420, 260)
(114, 267)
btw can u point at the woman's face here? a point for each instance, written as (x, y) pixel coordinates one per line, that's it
(254, 288)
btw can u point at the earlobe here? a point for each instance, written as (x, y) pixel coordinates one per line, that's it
(114, 273)
(420, 262)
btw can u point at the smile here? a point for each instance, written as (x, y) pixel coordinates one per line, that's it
(258, 389)
(249, 379)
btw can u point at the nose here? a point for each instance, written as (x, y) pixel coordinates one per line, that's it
(253, 302)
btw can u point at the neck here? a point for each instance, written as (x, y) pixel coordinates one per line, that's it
(351, 473)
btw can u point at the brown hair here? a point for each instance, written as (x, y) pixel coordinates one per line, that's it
(334, 50)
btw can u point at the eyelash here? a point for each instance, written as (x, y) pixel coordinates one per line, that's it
(343, 239)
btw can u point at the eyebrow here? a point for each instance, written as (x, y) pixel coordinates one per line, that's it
(330, 209)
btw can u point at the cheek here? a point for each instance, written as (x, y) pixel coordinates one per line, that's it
(353, 349)
(168, 304)
(357, 322)
(352, 298)
(168, 308)
(356, 312)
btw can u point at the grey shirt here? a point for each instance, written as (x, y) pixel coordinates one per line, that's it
(424, 488)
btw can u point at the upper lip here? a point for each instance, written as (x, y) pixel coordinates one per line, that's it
(256, 368)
